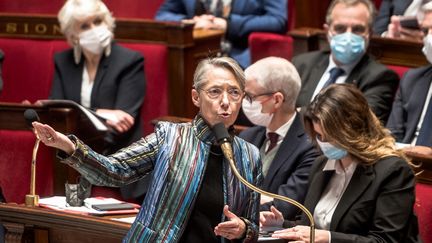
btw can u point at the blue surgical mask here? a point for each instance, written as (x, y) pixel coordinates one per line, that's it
(347, 47)
(330, 151)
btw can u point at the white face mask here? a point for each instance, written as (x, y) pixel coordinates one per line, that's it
(95, 40)
(427, 47)
(254, 114)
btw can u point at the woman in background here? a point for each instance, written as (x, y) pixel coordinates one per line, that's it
(98, 73)
(194, 195)
(362, 189)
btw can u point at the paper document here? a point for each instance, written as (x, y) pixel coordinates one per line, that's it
(92, 116)
(59, 203)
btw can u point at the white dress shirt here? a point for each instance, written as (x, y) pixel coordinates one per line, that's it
(332, 194)
(86, 89)
(422, 116)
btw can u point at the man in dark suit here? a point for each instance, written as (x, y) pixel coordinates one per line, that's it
(237, 17)
(348, 26)
(272, 86)
(410, 119)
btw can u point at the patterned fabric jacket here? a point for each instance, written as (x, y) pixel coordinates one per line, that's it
(178, 154)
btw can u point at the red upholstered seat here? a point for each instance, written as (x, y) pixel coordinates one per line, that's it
(27, 74)
(16, 149)
(156, 70)
(400, 70)
(423, 209)
(270, 44)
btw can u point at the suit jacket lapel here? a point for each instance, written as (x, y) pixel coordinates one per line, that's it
(318, 183)
(237, 6)
(362, 177)
(419, 92)
(75, 80)
(355, 75)
(288, 145)
(102, 69)
(316, 73)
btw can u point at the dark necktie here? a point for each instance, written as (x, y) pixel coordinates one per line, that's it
(334, 75)
(273, 137)
(219, 9)
(425, 135)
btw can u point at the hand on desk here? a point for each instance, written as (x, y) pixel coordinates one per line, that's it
(119, 120)
(232, 229)
(52, 138)
(301, 233)
(419, 150)
(272, 218)
(207, 21)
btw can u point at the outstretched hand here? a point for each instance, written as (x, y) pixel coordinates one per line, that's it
(52, 138)
(232, 229)
(272, 218)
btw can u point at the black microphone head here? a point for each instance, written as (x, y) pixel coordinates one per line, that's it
(221, 133)
(30, 116)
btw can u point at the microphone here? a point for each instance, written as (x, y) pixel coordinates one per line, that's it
(30, 116)
(224, 140)
(32, 199)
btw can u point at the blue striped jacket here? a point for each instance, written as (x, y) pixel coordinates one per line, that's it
(178, 154)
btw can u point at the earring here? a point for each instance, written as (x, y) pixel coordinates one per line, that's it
(77, 53)
(107, 51)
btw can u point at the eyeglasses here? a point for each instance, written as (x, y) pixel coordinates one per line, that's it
(357, 29)
(215, 93)
(251, 98)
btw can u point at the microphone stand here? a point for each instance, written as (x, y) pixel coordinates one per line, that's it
(226, 148)
(32, 200)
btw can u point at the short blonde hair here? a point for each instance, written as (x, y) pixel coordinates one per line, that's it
(74, 10)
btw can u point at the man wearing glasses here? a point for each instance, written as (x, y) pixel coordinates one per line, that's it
(349, 27)
(271, 90)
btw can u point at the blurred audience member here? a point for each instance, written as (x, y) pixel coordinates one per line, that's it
(272, 87)
(102, 76)
(362, 189)
(399, 19)
(348, 26)
(98, 73)
(411, 118)
(238, 18)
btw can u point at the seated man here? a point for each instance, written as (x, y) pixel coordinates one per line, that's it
(391, 16)
(348, 26)
(272, 86)
(411, 118)
(237, 18)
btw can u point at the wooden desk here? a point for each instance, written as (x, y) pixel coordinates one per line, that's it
(186, 47)
(26, 224)
(40, 225)
(425, 166)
